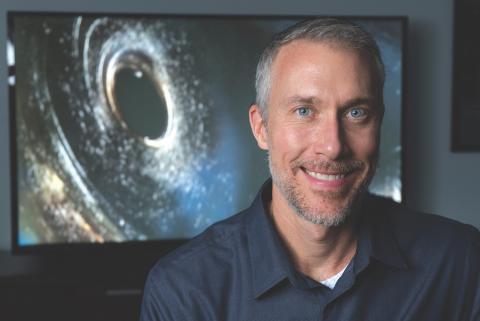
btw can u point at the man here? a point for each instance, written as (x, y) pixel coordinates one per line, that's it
(314, 245)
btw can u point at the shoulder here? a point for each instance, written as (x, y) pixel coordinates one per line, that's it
(217, 241)
(210, 254)
(419, 231)
(195, 276)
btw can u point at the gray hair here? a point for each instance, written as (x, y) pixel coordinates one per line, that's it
(330, 30)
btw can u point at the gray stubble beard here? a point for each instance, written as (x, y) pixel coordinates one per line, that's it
(297, 202)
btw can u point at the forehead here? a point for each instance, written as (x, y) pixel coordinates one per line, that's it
(320, 53)
(305, 65)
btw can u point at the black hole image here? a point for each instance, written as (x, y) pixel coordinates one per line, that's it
(140, 103)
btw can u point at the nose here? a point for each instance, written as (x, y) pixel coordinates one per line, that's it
(329, 138)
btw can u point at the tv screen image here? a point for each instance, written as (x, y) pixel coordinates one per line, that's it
(135, 128)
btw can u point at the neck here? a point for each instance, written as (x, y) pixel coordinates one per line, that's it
(316, 250)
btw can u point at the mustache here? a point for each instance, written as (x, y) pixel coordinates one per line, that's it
(342, 166)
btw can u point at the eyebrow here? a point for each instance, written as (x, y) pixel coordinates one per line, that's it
(360, 101)
(309, 100)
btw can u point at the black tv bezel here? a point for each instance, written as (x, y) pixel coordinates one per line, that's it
(157, 248)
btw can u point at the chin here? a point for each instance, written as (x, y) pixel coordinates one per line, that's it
(326, 208)
(330, 211)
(321, 205)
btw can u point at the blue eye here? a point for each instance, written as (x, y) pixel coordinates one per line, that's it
(357, 113)
(303, 111)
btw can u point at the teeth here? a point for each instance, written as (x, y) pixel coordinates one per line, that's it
(325, 177)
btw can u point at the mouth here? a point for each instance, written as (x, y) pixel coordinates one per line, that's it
(326, 177)
(330, 179)
(323, 175)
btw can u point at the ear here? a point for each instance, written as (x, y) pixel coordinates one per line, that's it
(258, 126)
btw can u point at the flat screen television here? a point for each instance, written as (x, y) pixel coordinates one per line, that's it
(133, 129)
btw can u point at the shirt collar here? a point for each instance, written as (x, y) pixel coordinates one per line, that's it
(379, 232)
(269, 259)
(271, 264)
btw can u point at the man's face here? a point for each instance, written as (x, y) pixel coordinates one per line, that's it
(322, 131)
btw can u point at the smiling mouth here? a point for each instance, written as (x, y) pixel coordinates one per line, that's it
(330, 172)
(326, 177)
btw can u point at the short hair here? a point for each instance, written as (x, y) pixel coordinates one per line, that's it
(329, 30)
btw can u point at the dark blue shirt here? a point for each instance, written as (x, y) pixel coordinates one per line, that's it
(408, 266)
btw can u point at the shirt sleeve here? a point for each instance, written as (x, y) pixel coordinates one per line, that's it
(154, 306)
(473, 266)
(175, 293)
